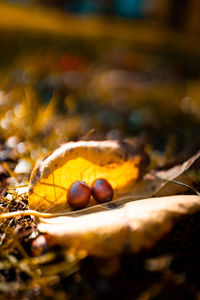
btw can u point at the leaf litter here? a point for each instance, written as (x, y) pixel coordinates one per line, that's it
(121, 226)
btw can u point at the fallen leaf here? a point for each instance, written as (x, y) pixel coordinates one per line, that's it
(129, 228)
(154, 183)
(86, 161)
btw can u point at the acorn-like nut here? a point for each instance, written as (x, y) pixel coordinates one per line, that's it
(79, 194)
(102, 191)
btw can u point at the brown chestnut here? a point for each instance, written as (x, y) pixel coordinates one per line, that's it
(102, 191)
(79, 194)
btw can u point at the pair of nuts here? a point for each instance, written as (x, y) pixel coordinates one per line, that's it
(80, 192)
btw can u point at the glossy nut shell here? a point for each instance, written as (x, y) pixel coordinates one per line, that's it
(102, 191)
(79, 195)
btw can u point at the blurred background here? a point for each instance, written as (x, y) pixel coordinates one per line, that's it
(97, 69)
(123, 68)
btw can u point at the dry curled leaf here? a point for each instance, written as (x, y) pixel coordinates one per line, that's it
(154, 183)
(86, 161)
(129, 228)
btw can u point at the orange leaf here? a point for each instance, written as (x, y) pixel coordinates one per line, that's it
(86, 161)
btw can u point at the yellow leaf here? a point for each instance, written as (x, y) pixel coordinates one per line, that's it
(86, 161)
(129, 228)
